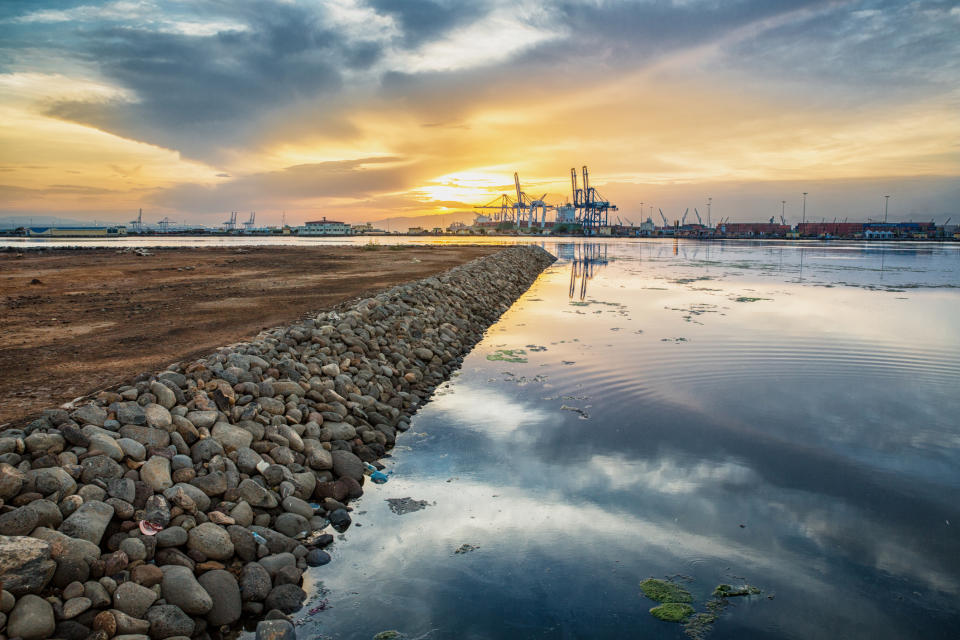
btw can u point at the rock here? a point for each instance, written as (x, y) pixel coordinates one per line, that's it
(169, 621)
(211, 540)
(11, 480)
(275, 630)
(212, 484)
(7, 601)
(165, 396)
(88, 522)
(317, 558)
(180, 588)
(52, 479)
(134, 548)
(172, 537)
(18, 522)
(147, 436)
(133, 599)
(292, 525)
(242, 514)
(146, 575)
(132, 449)
(105, 622)
(75, 606)
(99, 468)
(223, 588)
(156, 473)
(97, 594)
(339, 519)
(127, 625)
(203, 419)
(71, 630)
(31, 619)
(130, 413)
(255, 583)
(287, 598)
(122, 488)
(274, 563)
(256, 495)
(90, 414)
(102, 443)
(231, 438)
(199, 498)
(339, 431)
(293, 504)
(157, 416)
(347, 464)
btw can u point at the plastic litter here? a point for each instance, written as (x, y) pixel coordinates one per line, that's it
(377, 476)
(259, 538)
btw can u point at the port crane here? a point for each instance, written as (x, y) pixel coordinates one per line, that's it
(231, 224)
(165, 224)
(699, 219)
(665, 223)
(683, 219)
(248, 225)
(138, 223)
(592, 208)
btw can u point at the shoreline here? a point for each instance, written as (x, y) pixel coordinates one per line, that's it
(207, 486)
(78, 321)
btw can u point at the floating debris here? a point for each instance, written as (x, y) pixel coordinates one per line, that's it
(402, 506)
(673, 340)
(664, 591)
(466, 548)
(583, 414)
(749, 299)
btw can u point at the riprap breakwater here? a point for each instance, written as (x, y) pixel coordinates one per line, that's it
(193, 497)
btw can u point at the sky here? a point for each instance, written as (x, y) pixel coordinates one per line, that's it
(361, 110)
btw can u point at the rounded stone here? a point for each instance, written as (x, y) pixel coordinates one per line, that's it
(211, 540)
(31, 619)
(169, 621)
(225, 591)
(180, 588)
(134, 548)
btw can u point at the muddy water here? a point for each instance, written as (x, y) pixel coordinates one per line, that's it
(776, 415)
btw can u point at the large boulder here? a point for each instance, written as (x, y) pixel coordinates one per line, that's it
(230, 437)
(211, 540)
(25, 564)
(347, 464)
(223, 588)
(31, 619)
(180, 588)
(88, 522)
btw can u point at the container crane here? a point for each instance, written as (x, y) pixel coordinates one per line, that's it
(683, 219)
(665, 223)
(248, 225)
(138, 223)
(592, 206)
(699, 219)
(231, 224)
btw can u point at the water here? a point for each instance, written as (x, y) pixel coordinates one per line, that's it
(778, 414)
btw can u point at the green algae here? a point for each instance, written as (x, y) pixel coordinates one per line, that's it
(749, 299)
(508, 355)
(672, 612)
(663, 591)
(392, 634)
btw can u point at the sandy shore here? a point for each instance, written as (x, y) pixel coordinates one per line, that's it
(74, 321)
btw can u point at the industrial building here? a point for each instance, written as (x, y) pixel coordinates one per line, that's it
(325, 228)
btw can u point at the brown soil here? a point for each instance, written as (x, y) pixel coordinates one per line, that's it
(75, 321)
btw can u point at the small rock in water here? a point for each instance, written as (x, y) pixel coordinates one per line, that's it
(466, 548)
(401, 506)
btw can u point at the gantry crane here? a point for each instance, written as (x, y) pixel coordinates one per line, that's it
(592, 208)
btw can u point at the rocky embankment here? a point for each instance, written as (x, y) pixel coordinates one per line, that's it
(192, 498)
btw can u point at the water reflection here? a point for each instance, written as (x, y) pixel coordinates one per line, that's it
(744, 423)
(585, 260)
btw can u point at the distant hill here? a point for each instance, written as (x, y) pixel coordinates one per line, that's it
(402, 223)
(12, 222)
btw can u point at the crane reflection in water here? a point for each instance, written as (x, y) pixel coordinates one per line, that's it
(585, 260)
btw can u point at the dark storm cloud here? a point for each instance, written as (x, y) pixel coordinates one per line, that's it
(423, 20)
(195, 93)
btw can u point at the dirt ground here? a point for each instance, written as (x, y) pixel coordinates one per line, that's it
(75, 321)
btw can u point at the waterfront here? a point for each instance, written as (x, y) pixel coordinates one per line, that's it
(775, 413)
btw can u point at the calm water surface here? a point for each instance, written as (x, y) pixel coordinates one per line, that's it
(779, 415)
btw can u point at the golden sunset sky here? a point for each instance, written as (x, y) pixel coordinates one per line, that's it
(371, 109)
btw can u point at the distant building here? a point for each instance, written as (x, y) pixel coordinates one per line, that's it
(566, 213)
(325, 228)
(416, 231)
(647, 227)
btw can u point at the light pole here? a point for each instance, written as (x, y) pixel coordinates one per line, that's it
(886, 202)
(783, 209)
(709, 202)
(804, 206)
